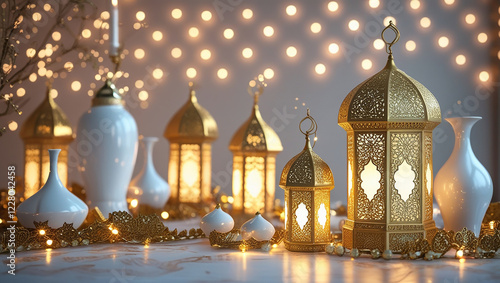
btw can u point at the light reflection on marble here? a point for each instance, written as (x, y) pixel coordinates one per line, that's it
(195, 260)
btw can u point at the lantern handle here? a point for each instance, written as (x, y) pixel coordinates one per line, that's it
(388, 45)
(312, 129)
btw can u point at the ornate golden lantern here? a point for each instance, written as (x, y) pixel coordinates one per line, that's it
(307, 181)
(389, 120)
(46, 128)
(190, 133)
(254, 147)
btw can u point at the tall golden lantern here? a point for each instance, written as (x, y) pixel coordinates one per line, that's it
(389, 120)
(191, 132)
(307, 181)
(254, 146)
(46, 128)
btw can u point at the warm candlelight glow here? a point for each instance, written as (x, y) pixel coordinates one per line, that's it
(41, 232)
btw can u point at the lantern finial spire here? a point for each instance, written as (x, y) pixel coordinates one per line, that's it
(256, 88)
(388, 44)
(313, 128)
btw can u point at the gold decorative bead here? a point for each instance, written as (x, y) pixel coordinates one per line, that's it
(339, 250)
(429, 255)
(330, 249)
(387, 254)
(375, 254)
(354, 253)
(412, 255)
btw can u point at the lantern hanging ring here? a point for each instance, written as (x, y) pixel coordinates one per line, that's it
(388, 47)
(313, 128)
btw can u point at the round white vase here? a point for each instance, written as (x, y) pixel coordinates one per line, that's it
(148, 187)
(107, 145)
(53, 202)
(463, 187)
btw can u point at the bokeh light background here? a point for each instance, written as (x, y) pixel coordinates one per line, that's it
(312, 54)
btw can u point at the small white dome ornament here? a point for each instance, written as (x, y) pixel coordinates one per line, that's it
(258, 228)
(217, 220)
(53, 202)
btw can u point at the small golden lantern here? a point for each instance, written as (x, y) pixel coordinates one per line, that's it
(307, 181)
(46, 128)
(254, 147)
(190, 133)
(389, 120)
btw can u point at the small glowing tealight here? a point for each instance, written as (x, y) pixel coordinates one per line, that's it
(135, 202)
(165, 215)
(49, 242)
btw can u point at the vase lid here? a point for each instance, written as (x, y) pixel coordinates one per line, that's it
(107, 95)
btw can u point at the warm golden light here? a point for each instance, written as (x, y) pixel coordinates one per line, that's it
(268, 73)
(374, 3)
(206, 16)
(291, 10)
(114, 231)
(291, 51)
(459, 254)
(460, 59)
(378, 44)
(222, 73)
(301, 215)
(143, 95)
(176, 13)
(20, 92)
(139, 53)
(389, 19)
(247, 14)
(37, 16)
(193, 32)
(425, 22)
(228, 33)
(134, 203)
(370, 180)
(49, 242)
(205, 54)
(247, 52)
(366, 64)
(56, 36)
(30, 52)
(315, 27)
(449, 2)
(353, 25)
(157, 73)
(86, 33)
(76, 85)
(333, 6)
(484, 76)
(320, 69)
(191, 73)
(268, 31)
(53, 93)
(443, 41)
(482, 37)
(165, 215)
(176, 52)
(410, 45)
(140, 16)
(333, 48)
(470, 19)
(13, 125)
(41, 232)
(492, 224)
(157, 35)
(139, 84)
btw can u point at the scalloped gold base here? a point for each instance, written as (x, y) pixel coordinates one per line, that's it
(303, 247)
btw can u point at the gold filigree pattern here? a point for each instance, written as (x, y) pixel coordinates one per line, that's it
(432, 105)
(370, 147)
(441, 242)
(189, 185)
(369, 240)
(191, 123)
(465, 239)
(350, 175)
(405, 147)
(405, 101)
(322, 173)
(301, 173)
(254, 137)
(230, 240)
(398, 240)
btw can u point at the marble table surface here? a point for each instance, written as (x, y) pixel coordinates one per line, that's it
(197, 261)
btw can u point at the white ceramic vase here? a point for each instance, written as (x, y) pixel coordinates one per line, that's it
(107, 145)
(463, 188)
(148, 187)
(53, 202)
(258, 228)
(217, 220)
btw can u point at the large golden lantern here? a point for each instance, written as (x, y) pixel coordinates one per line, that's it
(190, 133)
(46, 128)
(307, 181)
(254, 146)
(389, 120)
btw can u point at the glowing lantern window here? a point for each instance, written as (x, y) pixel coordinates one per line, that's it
(389, 120)
(190, 133)
(46, 128)
(254, 147)
(307, 181)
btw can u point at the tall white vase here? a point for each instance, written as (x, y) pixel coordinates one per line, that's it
(148, 187)
(107, 145)
(463, 188)
(53, 202)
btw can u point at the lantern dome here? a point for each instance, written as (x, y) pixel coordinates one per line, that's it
(307, 169)
(390, 96)
(192, 123)
(255, 135)
(48, 121)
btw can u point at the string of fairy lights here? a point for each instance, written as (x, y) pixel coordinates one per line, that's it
(176, 52)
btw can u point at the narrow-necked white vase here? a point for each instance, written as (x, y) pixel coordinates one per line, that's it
(107, 142)
(463, 187)
(148, 187)
(53, 202)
